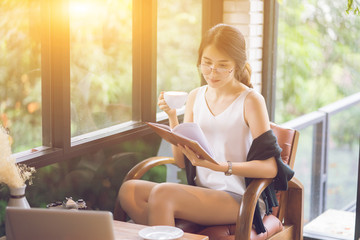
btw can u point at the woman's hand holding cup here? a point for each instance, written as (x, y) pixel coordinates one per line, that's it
(170, 101)
(163, 105)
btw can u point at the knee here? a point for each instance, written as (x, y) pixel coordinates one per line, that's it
(161, 195)
(126, 193)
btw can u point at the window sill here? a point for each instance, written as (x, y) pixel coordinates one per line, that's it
(83, 144)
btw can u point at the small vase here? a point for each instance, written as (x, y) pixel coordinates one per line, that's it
(17, 198)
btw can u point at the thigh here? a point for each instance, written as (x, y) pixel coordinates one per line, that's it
(201, 205)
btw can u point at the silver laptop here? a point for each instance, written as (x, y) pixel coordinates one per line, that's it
(58, 224)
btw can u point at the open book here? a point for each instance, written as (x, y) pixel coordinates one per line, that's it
(189, 134)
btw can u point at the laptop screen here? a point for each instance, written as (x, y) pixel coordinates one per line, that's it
(57, 224)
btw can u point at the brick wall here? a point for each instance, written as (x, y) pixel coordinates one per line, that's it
(247, 15)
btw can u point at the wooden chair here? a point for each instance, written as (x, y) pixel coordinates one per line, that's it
(286, 221)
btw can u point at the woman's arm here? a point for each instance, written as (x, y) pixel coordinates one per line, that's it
(173, 121)
(256, 116)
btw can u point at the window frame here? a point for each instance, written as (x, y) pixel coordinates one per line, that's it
(268, 89)
(58, 145)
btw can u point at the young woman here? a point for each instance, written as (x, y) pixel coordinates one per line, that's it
(231, 114)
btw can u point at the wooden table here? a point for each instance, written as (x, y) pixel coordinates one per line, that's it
(129, 231)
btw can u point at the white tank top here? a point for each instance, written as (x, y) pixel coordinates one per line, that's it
(229, 137)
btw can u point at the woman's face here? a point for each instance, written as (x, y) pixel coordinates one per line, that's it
(217, 67)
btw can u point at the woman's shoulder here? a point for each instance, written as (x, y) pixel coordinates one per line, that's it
(256, 114)
(254, 98)
(190, 104)
(193, 93)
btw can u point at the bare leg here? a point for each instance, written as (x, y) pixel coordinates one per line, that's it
(151, 203)
(133, 196)
(168, 201)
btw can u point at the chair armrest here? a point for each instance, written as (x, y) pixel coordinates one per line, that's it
(294, 187)
(294, 204)
(295, 183)
(247, 207)
(294, 214)
(142, 167)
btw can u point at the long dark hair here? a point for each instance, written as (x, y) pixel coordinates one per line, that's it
(231, 41)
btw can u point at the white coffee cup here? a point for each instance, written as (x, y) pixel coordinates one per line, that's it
(175, 99)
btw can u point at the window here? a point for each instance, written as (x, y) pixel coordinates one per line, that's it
(316, 66)
(81, 75)
(179, 35)
(100, 64)
(315, 53)
(20, 72)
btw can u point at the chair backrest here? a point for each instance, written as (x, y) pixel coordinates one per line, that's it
(288, 141)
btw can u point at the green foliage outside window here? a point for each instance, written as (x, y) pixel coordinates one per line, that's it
(100, 64)
(20, 72)
(352, 7)
(179, 35)
(318, 56)
(318, 64)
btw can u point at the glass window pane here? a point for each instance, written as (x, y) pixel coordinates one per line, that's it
(178, 39)
(302, 167)
(101, 64)
(20, 72)
(343, 159)
(318, 64)
(318, 58)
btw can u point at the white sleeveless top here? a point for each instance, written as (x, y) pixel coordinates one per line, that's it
(229, 137)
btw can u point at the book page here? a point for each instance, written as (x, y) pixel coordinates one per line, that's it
(196, 147)
(193, 131)
(189, 134)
